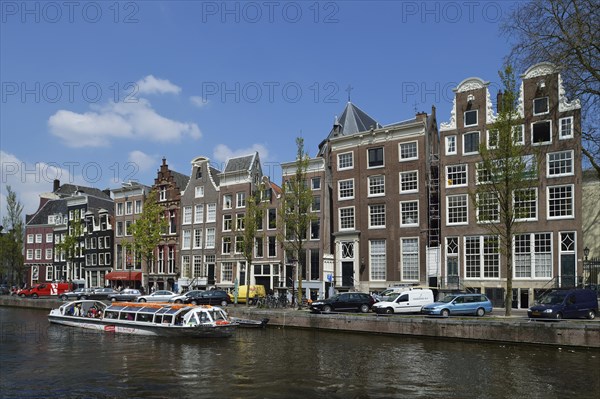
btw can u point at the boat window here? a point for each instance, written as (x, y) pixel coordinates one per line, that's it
(111, 315)
(158, 319)
(127, 316)
(167, 319)
(144, 317)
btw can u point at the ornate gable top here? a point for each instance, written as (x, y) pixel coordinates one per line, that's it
(472, 83)
(541, 69)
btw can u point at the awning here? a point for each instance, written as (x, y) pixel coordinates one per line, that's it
(129, 276)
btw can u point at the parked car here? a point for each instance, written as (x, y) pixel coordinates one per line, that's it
(566, 304)
(346, 301)
(46, 289)
(100, 293)
(211, 297)
(76, 294)
(256, 291)
(128, 294)
(182, 298)
(157, 296)
(408, 301)
(459, 304)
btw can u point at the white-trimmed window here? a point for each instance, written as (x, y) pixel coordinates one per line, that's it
(375, 157)
(560, 163)
(38, 238)
(187, 215)
(227, 271)
(409, 249)
(38, 254)
(533, 255)
(451, 145)
(408, 151)
(271, 246)
(346, 189)
(456, 209)
(488, 207)
(129, 208)
(482, 174)
(49, 237)
(471, 143)
(482, 258)
(409, 182)
(525, 204)
(119, 232)
(227, 222)
(565, 128)
(377, 260)
(199, 213)
(48, 253)
(541, 132)
(138, 206)
(272, 219)
(259, 250)
(226, 245)
(211, 213)
(185, 266)
(519, 134)
(540, 106)
(377, 216)
(29, 254)
(316, 204)
(227, 201)
(345, 160)
(346, 218)
(199, 191)
(119, 208)
(471, 118)
(240, 220)
(376, 185)
(456, 176)
(162, 193)
(197, 238)
(210, 237)
(492, 139)
(240, 200)
(186, 241)
(409, 214)
(128, 231)
(30, 238)
(315, 183)
(560, 202)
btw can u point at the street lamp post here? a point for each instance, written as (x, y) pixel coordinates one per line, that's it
(586, 252)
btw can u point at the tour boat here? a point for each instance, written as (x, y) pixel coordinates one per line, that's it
(159, 319)
(250, 323)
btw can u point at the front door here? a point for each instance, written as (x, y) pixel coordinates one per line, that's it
(347, 274)
(567, 266)
(211, 274)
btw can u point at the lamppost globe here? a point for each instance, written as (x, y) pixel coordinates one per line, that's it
(586, 252)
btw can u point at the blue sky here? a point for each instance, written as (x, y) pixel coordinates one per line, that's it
(95, 93)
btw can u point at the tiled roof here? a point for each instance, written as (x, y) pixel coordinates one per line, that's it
(243, 163)
(67, 190)
(51, 207)
(354, 120)
(180, 179)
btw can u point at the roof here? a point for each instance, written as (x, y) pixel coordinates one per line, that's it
(67, 190)
(51, 207)
(180, 179)
(354, 120)
(238, 164)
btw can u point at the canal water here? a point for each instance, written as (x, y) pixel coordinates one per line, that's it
(39, 360)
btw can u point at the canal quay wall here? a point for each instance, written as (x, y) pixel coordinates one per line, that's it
(515, 330)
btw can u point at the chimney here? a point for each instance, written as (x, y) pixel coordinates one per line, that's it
(56, 185)
(499, 101)
(421, 116)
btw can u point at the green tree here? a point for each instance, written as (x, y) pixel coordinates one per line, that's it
(147, 230)
(12, 267)
(295, 215)
(565, 33)
(505, 179)
(70, 245)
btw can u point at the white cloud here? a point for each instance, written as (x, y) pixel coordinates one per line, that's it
(199, 101)
(136, 120)
(152, 85)
(222, 153)
(143, 161)
(28, 180)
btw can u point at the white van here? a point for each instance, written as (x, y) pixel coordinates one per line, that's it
(408, 301)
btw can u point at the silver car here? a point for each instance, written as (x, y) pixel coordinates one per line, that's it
(157, 296)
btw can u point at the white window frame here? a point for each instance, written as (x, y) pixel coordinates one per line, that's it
(227, 222)
(405, 256)
(409, 173)
(515, 206)
(49, 237)
(199, 191)
(547, 106)
(199, 213)
(210, 238)
(489, 135)
(340, 218)
(520, 131)
(531, 257)
(211, 212)
(489, 205)
(378, 260)
(562, 161)
(315, 183)
(377, 215)
(400, 151)
(186, 239)
(351, 160)
(377, 183)
(197, 243)
(403, 211)
(187, 215)
(561, 135)
(227, 201)
(461, 170)
(541, 142)
(240, 199)
(382, 157)
(476, 118)
(346, 197)
(449, 142)
(138, 207)
(465, 141)
(129, 208)
(120, 207)
(466, 206)
(572, 198)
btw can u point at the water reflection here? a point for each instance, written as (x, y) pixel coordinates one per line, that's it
(42, 360)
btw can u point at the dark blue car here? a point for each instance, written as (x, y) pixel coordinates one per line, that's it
(573, 303)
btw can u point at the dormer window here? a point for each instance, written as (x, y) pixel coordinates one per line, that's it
(540, 106)
(471, 118)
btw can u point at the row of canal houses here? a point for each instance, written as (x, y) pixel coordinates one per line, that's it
(391, 201)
